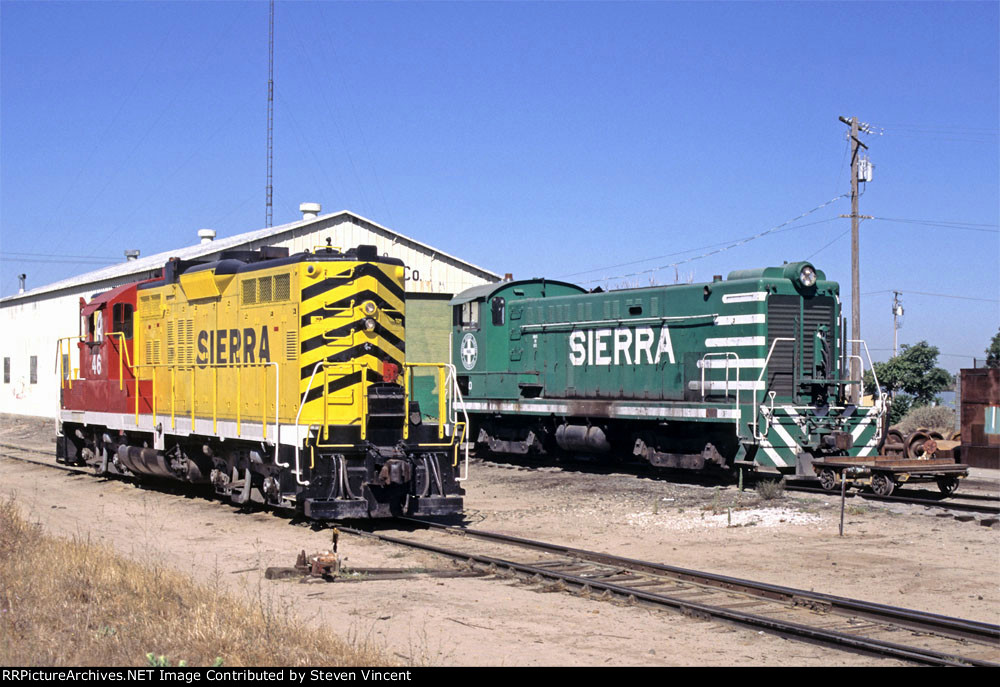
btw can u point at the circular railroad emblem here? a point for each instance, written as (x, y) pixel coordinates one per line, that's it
(469, 351)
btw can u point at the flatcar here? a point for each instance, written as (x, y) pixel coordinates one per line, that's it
(744, 372)
(263, 375)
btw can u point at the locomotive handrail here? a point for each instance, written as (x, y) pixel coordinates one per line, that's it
(878, 387)
(880, 406)
(623, 320)
(763, 370)
(298, 435)
(457, 391)
(364, 365)
(447, 382)
(121, 370)
(727, 355)
(63, 377)
(174, 368)
(442, 375)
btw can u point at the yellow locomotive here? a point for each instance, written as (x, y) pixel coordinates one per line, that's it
(263, 371)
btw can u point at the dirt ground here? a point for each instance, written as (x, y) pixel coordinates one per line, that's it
(900, 555)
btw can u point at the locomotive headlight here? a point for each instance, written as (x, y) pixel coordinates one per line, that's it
(369, 324)
(807, 277)
(369, 308)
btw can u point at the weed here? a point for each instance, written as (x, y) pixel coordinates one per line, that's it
(769, 489)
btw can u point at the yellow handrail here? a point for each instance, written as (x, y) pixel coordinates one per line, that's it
(173, 368)
(63, 377)
(122, 349)
(351, 364)
(442, 375)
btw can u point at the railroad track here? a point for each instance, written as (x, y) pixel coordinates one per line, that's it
(846, 624)
(986, 504)
(982, 504)
(5, 452)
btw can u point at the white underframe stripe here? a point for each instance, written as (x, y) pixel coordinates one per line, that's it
(745, 297)
(730, 363)
(616, 411)
(736, 341)
(731, 385)
(723, 320)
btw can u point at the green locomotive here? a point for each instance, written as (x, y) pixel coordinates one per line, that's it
(749, 371)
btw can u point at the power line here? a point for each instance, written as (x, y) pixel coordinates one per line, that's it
(727, 246)
(948, 355)
(60, 255)
(68, 261)
(683, 252)
(937, 295)
(965, 226)
(842, 235)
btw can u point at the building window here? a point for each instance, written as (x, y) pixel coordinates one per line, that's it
(6, 370)
(34, 370)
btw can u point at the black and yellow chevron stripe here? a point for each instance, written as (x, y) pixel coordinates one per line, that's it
(333, 330)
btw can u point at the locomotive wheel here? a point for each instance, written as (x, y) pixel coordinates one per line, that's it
(894, 443)
(883, 484)
(915, 445)
(947, 485)
(828, 479)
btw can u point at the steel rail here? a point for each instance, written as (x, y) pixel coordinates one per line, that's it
(929, 503)
(829, 637)
(917, 620)
(57, 466)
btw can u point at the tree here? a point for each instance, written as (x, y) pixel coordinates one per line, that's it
(993, 352)
(914, 372)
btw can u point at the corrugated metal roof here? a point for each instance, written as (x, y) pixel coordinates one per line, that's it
(155, 262)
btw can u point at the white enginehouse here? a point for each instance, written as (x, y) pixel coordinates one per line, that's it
(32, 322)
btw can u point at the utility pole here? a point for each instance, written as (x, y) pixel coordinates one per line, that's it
(856, 127)
(897, 312)
(269, 210)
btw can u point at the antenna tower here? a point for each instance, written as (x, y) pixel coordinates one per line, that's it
(269, 210)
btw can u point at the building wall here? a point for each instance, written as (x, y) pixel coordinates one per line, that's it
(428, 333)
(32, 329)
(979, 410)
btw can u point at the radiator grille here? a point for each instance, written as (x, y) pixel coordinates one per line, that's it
(784, 313)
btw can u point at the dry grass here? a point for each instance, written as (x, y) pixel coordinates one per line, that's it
(72, 602)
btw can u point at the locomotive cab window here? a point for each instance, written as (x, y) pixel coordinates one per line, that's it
(468, 315)
(95, 326)
(123, 319)
(497, 306)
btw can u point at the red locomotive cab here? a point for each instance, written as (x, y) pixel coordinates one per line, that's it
(102, 378)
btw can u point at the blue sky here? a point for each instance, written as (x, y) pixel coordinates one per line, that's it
(589, 141)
